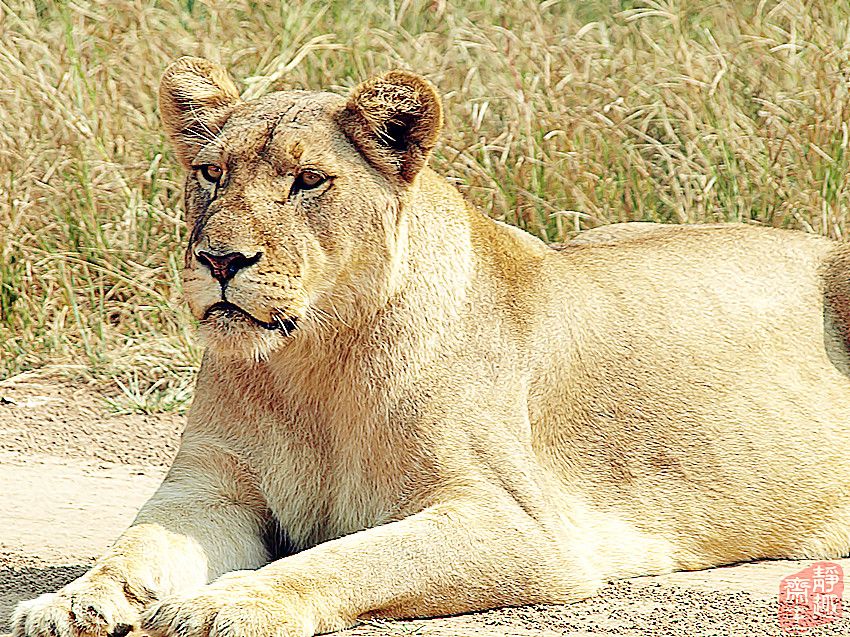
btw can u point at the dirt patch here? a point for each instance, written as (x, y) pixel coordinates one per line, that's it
(73, 475)
(74, 421)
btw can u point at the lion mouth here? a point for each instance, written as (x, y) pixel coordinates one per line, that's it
(226, 310)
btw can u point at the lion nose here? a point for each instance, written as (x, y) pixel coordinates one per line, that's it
(225, 266)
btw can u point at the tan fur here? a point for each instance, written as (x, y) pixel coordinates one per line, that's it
(464, 417)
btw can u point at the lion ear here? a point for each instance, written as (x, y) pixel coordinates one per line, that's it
(195, 98)
(395, 121)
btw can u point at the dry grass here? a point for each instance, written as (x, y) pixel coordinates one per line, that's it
(562, 115)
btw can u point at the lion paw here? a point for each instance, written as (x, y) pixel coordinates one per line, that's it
(235, 605)
(87, 607)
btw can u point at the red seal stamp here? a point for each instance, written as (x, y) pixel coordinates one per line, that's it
(811, 597)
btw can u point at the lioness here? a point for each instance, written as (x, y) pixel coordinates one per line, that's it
(407, 409)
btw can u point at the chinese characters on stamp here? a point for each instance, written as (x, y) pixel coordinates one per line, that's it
(812, 597)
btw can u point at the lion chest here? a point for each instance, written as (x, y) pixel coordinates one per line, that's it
(323, 482)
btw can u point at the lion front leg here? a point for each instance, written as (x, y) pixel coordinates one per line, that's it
(471, 553)
(202, 521)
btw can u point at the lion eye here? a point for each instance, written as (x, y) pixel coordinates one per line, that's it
(211, 172)
(309, 179)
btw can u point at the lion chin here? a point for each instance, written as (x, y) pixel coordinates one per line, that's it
(232, 332)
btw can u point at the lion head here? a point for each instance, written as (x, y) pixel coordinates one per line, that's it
(294, 200)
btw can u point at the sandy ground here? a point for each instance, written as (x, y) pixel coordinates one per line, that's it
(72, 476)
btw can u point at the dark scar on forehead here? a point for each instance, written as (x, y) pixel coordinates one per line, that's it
(272, 127)
(285, 115)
